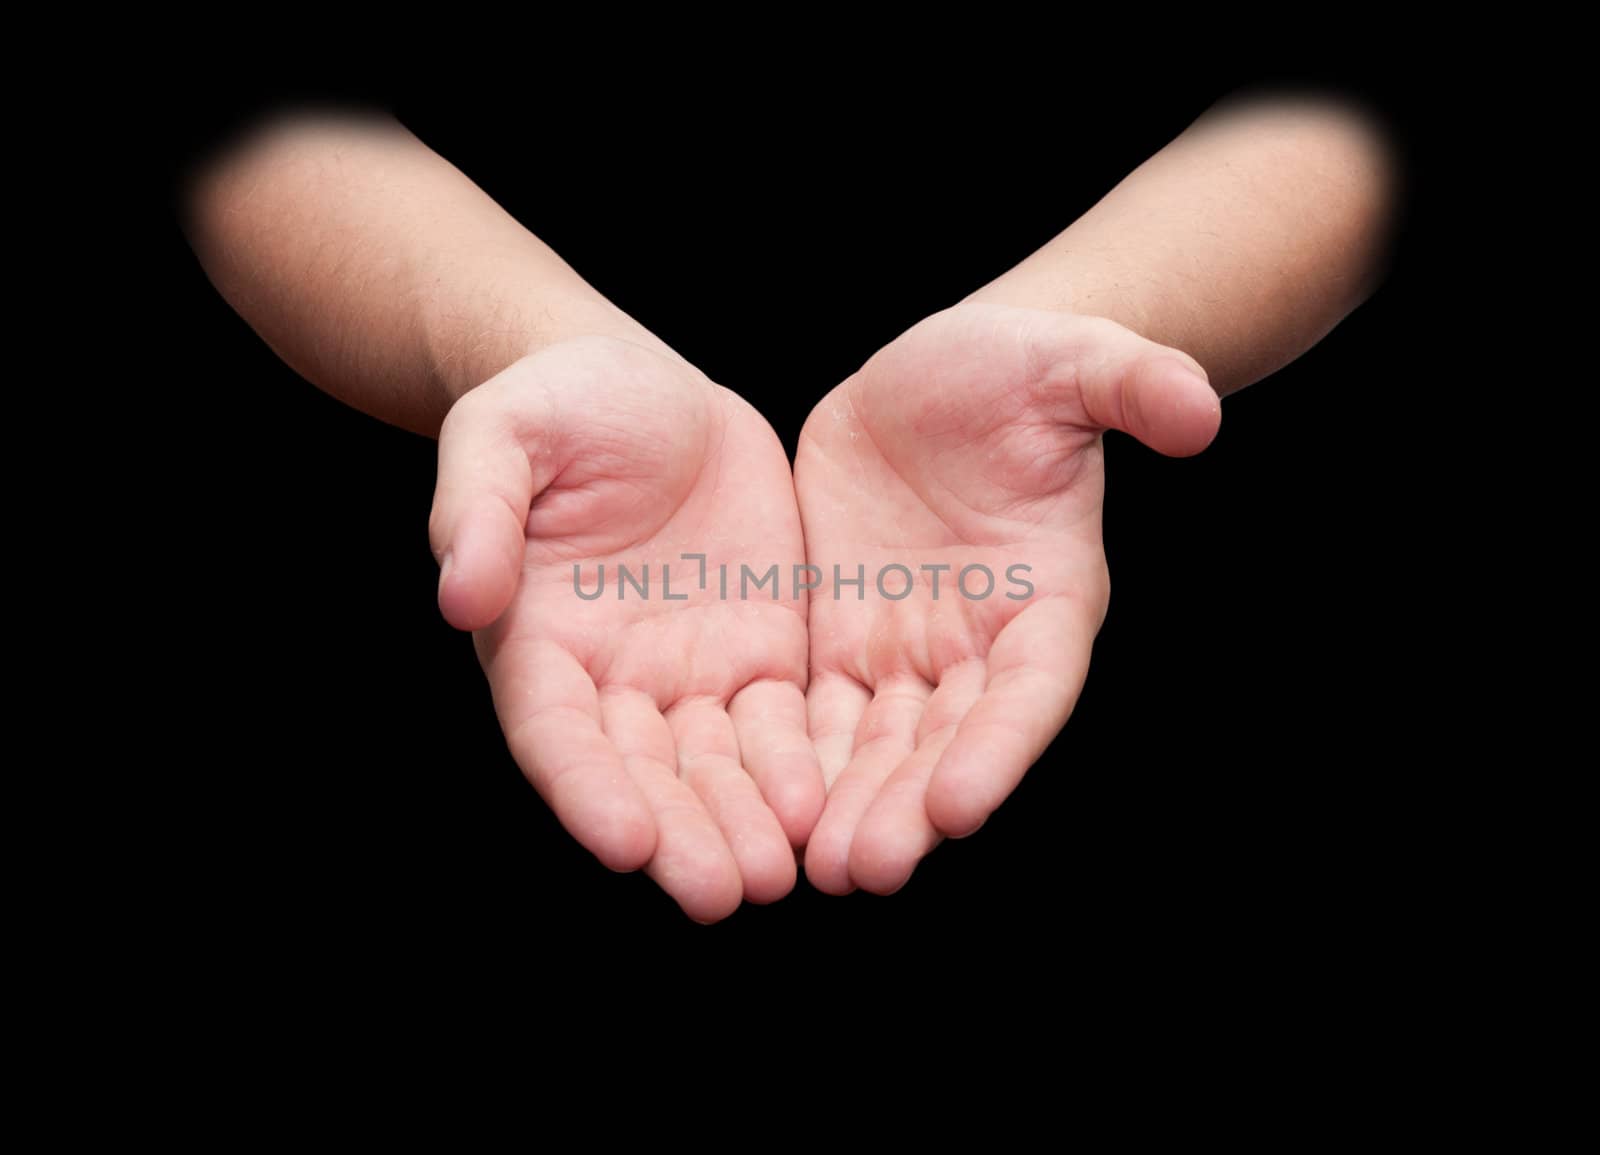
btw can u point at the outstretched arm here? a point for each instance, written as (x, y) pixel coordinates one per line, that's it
(378, 271)
(971, 444)
(1243, 242)
(667, 732)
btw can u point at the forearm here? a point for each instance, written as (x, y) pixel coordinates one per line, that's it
(1243, 242)
(378, 271)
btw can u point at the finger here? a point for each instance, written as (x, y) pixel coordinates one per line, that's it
(769, 718)
(550, 712)
(1036, 669)
(1123, 381)
(486, 483)
(896, 833)
(834, 705)
(708, 760)
(885, 738)
(692, 862)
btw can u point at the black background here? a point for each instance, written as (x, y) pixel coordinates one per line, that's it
(1228, 777)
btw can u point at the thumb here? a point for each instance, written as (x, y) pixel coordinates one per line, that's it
(1158, 395)
(486, 483)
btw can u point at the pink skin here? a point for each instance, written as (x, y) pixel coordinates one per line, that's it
(975, 437)
(666, 735)
(673, 735)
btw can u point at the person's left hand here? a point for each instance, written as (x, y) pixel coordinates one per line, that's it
(972, 440)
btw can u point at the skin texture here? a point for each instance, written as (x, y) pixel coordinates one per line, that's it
(674, 736)
(972, 439)
(975, 438)
(667, 735)
(377, 270)
(1243, 242)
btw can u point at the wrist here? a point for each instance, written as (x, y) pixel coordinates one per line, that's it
(468, 351)
(1058, 289)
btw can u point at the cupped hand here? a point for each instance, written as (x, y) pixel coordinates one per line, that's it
(973, 440)
(665, 734)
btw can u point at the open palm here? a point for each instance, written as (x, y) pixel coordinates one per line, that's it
(970, 445)
(665, 734)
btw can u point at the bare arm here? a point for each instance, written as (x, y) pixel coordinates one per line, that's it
(973, 439)
(664, 741)
(378, 271)
(1243, 242)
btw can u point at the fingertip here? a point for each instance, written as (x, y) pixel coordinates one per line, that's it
(1179, 413)
(798, 802)
(769, 877)
(456, 597)
(710, 893)
(709, 911)
(891, 839)
(1200, 412)
(464, 607)
(881, 864)
(625, 837)
(969, 833)
(478, 576)
(610, 819)
(712, 910)
(957, 804)
(828, 864)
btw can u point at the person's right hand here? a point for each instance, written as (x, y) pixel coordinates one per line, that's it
(668, 735)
